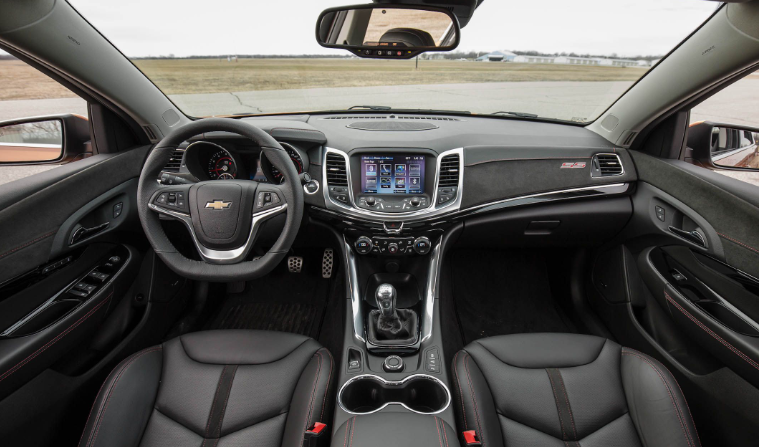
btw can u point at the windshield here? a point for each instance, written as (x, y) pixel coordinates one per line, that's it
(557, 59)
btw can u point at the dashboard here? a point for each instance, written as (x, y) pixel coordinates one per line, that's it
(380, 179)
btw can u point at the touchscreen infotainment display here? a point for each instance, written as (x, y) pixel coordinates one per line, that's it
(392, 174)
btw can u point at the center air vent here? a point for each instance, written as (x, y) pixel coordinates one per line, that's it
(606, 165)
(336, 172)
(392, 125)
(175, 161)
(449, 171)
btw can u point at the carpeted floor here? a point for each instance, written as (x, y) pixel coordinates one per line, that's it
(504, 292)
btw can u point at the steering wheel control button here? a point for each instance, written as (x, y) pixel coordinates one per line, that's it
(393, 363)
(267, 199)
(422, 245)
(162, 199)
(363, 245)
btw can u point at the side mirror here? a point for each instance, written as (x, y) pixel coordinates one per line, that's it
(390, 32)
(724, 145)
(39, 140)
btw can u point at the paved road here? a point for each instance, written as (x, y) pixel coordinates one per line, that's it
(738, 104)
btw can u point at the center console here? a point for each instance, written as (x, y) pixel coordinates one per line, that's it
(386, 204)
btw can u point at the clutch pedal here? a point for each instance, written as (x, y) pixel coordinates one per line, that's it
(294, 264)
(328, 261)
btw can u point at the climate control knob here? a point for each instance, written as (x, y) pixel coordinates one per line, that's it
(363, 245)
(392, 248)
(422, 245)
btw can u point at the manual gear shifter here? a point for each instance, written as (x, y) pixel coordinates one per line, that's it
(386, 298)
(388, 325)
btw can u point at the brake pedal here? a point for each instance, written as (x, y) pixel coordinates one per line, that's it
(294, 264)
(328, 261)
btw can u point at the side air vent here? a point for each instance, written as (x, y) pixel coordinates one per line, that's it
(336, 172)
(449, 171)
(175, 161)
(606, 165)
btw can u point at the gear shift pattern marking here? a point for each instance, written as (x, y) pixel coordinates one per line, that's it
(386, 298)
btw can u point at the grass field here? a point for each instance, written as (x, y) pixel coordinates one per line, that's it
(178, 76)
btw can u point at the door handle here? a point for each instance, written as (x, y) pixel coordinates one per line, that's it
(690, 236)
(83, 233)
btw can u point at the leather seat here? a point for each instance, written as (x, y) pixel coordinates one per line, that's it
(568, 390)
(215, 388)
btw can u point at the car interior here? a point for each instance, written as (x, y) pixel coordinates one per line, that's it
(378, 276)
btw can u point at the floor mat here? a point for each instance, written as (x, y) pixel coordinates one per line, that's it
(499, 292)
(280, 301)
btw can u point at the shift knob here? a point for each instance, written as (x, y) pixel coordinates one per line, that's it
(386, 296)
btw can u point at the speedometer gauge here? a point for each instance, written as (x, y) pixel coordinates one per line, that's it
(221, 166)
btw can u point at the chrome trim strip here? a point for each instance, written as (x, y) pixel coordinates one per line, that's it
(394, 383)
(429, 304)
(355, 294)
(223, 256)
(432, 211)
(564, 194)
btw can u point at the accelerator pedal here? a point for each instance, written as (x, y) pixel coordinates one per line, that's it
(294, 264)
(328, 262)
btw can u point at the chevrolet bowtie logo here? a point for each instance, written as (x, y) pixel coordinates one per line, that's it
(218, 205)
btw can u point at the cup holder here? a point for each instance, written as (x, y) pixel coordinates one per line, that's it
(419, 393)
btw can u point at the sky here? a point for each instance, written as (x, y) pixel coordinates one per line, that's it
(141, 28)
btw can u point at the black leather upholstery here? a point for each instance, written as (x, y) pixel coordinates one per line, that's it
(215, 388)
(395, 429)
(568, 390)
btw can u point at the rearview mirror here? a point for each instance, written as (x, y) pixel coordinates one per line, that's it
(725, 145)
(391, 32)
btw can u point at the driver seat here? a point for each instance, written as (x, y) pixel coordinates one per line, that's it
(215, 388)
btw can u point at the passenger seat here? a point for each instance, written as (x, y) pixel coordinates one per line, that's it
(567, 390)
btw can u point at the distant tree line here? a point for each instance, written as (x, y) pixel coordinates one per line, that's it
(453, 55)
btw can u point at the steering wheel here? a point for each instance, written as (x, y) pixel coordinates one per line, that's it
(223, 217)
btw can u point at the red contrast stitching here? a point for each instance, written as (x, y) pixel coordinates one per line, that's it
(345, 438)
(571, 416)
(213, 405)
(55, 340)
(678, 387)
(445, 433)
(353, 430)
(735, 350)
(739, 242)
(474, 401)
(461, 395)
(13, 250)
(326, 392)
(99, 423)
(561, 422)
(671, 397)
(439, 439)
(313, 390)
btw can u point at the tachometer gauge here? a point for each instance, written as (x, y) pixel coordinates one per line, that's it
(297, 162)
(221, 166)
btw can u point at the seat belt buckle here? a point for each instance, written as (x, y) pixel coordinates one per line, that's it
(314, 434)
(470, 437)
